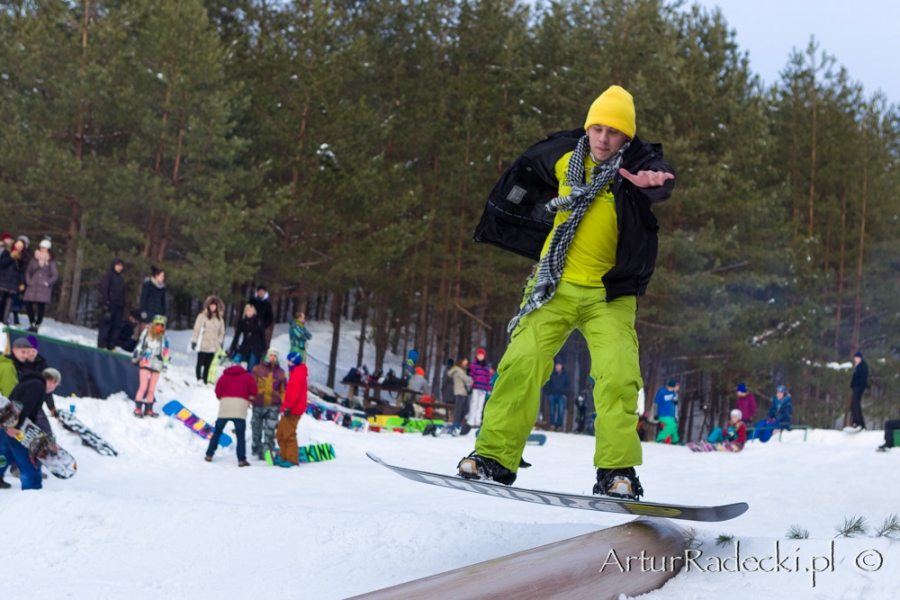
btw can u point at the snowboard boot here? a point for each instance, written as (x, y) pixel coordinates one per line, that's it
(207, 458)
(883, 448)
(618, 483)
(243, 463)
(479, 467)
(148, 410)
(14, 471)
(523, 464)
(4, 485)
(139, 410)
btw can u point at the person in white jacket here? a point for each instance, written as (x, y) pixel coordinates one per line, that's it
(209, 334)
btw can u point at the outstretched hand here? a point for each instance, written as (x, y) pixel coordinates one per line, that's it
(647, 179)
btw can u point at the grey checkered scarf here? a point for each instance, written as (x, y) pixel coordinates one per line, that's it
(542, 284)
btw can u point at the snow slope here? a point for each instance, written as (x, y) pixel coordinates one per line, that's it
(159, 522)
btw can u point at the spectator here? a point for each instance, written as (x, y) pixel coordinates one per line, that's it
(23, 243)
(480, 372)
(30, 393)
(112, 299)
(153, 296)
(292, 409)
(270, 384)
(889, 428)
(746, 403)
(557, 388)
(666, 405)
(264, 311)
(735, 433)
(151, 355)
(208, 335)
(126, 338)
(40, 277)
(249, 339)
(234, 389)
(419, 384)
(299, 335)
(462, 384)
(778, 417)
(12, 275)
(447, 396)
(858, 384)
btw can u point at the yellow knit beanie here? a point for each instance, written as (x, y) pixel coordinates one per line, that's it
(614, 108)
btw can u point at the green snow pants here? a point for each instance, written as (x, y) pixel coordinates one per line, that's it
(612, 342)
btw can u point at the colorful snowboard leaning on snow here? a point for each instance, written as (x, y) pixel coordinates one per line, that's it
(196, 424)
(41, 446)
(88, 438)
(308, 454)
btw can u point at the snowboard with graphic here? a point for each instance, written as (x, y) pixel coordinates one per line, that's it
(307, 454)
(205, 430)
(88, 438)
(597, 503)
(41, 446)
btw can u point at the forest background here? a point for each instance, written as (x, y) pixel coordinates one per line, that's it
(341, 153)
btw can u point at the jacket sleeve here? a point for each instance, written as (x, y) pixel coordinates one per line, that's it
(30, 270)
(251, 386)
(198, 325)
(238, 328)
(655, 195)
(785, 415)
(104, 290)
(220, 337)
(54, 274)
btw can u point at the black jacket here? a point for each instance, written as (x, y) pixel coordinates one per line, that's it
(112, 287)
(153, 301)
(263, 311)
(36, 367)
(515, 218)
(860, 378)
(254, 337)
(30, 392)
(558, 384)
(12, 272)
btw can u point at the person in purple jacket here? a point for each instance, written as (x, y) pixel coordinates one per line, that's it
(746, 403)
(480, 372)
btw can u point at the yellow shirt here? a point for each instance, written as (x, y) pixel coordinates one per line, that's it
(593, 249)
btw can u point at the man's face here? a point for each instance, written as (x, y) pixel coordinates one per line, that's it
(605, 141)
(779, 395)
(260, 294)
(558, 367)
(677, 386)
(51, 385)
(856, 360)
(119, 267)
(21, 354)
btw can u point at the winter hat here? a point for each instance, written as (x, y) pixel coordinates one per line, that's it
(52, 374)
(22, 343)
(613, 108)
(420, 371)
(5, 237)
(480, 351)
(272, 351)
(159, 320)
(672, 383)
(781, 389)
(737, 413)
(45, 244)
(25, 239)
(294, 358)
(859, 354)
(742, 387)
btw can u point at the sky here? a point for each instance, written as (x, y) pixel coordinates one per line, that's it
(861, 35)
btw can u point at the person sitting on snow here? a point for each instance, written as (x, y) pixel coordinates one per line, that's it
(779, 416)
(735, 432)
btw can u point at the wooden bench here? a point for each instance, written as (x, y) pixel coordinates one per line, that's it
(447, 408)
(805, 429)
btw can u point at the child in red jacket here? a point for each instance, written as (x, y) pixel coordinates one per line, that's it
(292, 408)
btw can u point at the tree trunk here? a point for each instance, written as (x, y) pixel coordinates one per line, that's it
(857, 302)
(336, 301)
(79, 267)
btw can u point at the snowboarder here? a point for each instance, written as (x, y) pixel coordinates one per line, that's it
(30, 393)
(299, 335)
(746, 403)
(666, 405)
(597, 259)
(270, 384)
(557, 389)
(292, 409)
(480, 372)
(858, 384)
(234, 390)
(112, 299)
(779, 416)
(40, 277)
(208, 335)
(151, 355)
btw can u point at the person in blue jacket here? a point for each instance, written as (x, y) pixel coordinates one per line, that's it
(778, 418)
(666, 402)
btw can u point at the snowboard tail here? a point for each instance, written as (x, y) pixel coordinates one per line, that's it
(72, 423)
(194, 423)
(597, 503)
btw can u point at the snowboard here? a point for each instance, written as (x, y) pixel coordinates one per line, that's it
(215, 366)
(177, 410)
(88, 438)
(307, 454)
(709, 447)
(597, 503)
(41, 446)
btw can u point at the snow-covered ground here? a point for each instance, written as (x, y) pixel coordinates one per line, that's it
(158, 522)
